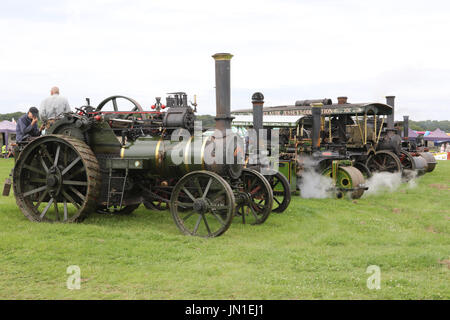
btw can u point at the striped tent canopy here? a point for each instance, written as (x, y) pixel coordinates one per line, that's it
(437, 135)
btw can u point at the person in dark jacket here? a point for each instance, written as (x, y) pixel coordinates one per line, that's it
(26, 126)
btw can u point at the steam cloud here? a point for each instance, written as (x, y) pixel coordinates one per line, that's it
(313, 185)
(383, 181)
(386, 181)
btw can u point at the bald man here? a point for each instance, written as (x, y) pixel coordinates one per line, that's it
(53, 106)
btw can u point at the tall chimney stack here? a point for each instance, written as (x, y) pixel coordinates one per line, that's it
(258, 102)
(405, 127)
(223, 111)
(316, 110)
(390, 101)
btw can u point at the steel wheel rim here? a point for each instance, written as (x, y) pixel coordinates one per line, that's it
(407, 161)
(202, 204)
(281, 199)
(51, 180)
(384, 161)
(258, 195)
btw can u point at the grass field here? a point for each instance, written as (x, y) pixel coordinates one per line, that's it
(317, 249)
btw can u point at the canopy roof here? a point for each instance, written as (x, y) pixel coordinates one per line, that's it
(246, 120)
(412, 134)
(7, 126)
(332, 109)
(437, 135)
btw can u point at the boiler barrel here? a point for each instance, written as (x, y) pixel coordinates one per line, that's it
(167, 158)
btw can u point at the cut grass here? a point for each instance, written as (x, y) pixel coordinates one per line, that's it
(317, 249)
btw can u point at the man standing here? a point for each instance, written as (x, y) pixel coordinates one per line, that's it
(26, 126)
(53, 106)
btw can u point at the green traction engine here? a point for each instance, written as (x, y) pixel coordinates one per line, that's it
(112, 161)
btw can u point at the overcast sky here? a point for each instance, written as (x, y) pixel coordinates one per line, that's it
(289, 50)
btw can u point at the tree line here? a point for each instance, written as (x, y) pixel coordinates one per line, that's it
(10, 116)
(430, 125)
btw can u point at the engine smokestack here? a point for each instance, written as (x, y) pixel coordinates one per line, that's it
(390, 101)
(231, 164)
(223, 110)
(405, 127)
(316, 110)
(258, 102)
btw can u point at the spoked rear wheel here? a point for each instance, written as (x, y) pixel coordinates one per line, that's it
(384, 161)
(202, 204)
(56, 179)
(281, 191)
(256, 196)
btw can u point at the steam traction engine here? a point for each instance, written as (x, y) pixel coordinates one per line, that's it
(112, 161)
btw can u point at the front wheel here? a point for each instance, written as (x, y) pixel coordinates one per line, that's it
(281, 191)
(348, 178)
(202, 204)
(255, 197)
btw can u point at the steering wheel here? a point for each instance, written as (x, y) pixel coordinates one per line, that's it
(137, 107)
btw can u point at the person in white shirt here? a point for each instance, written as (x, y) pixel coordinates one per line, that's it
(53, 106)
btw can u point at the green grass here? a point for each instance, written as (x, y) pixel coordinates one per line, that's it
(317, 249)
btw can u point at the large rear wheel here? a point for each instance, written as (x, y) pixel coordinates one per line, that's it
(56, 179)
(384, 161)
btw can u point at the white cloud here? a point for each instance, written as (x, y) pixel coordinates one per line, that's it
(289, 50)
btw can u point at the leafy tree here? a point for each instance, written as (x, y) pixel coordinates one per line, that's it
(10, 116)
(430, 125)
